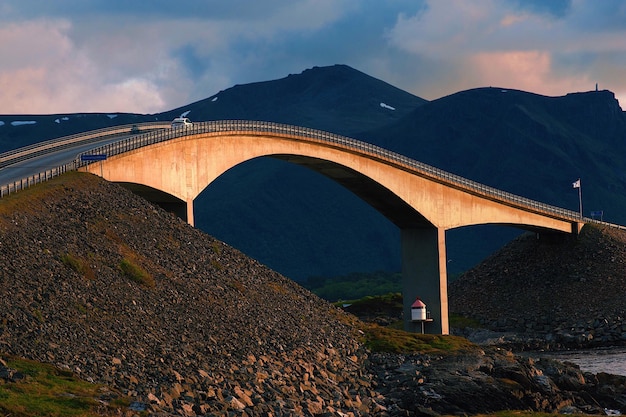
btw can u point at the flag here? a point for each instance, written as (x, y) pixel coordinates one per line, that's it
(576, 184)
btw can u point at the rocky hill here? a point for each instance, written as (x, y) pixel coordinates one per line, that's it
(564, 293)
(104, 285)
(97, 280)
(335, 98)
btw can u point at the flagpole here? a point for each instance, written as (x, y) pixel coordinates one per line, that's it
(580, 200)
(577, 184)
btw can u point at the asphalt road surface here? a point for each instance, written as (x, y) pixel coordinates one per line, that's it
(42, 163)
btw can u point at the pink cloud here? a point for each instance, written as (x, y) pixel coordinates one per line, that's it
(47, 73)
(525, 70)
(464, 45)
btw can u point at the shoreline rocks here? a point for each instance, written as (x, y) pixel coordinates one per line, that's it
(584, 335)
(491, 381)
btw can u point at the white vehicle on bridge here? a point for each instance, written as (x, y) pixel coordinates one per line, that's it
(181, 122)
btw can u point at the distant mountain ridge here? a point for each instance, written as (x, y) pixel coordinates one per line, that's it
(339, 99)
(302, 224)
(524, 143)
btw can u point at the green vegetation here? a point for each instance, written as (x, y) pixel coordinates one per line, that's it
(78, 265)
(81, 308)
(389, 305)
(42, 390)
(38, 315)
(392, 338)
(72, 261)
(358, 285)
(385, 339)
(461, 322)
(136, 273)
(355, 285)
(216, 264)
(25, 201)
(389, 301)
(395, 340)
(217, 248)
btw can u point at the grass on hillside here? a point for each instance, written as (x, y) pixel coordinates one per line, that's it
(385, 301)
(354, 286)
(22, 201)
(385, 339)
(391, 303)
(78, 265)
(41, 390)
(136, 273)
(392, 338)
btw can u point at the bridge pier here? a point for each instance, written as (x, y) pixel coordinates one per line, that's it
(190, 219)
(424, 275)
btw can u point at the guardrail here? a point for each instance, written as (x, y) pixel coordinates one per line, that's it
(327, 138)
(34, 179)
(40, 148)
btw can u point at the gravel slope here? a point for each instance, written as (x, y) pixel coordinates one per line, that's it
(570, 293)
(216, 325)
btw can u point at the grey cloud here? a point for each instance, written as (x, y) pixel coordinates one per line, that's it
(199, 9)
(185, 51)
(555, 8)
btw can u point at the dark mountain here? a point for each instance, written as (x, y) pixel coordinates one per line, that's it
(338, 99)
(302, 224)
(524, 143)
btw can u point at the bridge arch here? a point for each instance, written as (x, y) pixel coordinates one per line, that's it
(422, 202)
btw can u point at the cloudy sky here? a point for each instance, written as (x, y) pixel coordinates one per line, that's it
(70, 56)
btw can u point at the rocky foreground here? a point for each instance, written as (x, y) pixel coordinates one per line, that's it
(98, 281)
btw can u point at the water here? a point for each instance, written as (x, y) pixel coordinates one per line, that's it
(610, 360)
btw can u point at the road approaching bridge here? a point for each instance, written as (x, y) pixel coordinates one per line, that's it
(171, 167)
(24, 166)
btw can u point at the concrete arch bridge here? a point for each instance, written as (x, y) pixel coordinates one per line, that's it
(172, 167)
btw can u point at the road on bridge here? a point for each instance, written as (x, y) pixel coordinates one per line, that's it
(33, 166)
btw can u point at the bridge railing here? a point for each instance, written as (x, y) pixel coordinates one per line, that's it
(249, 126)
(260, 127)
(40, 148)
